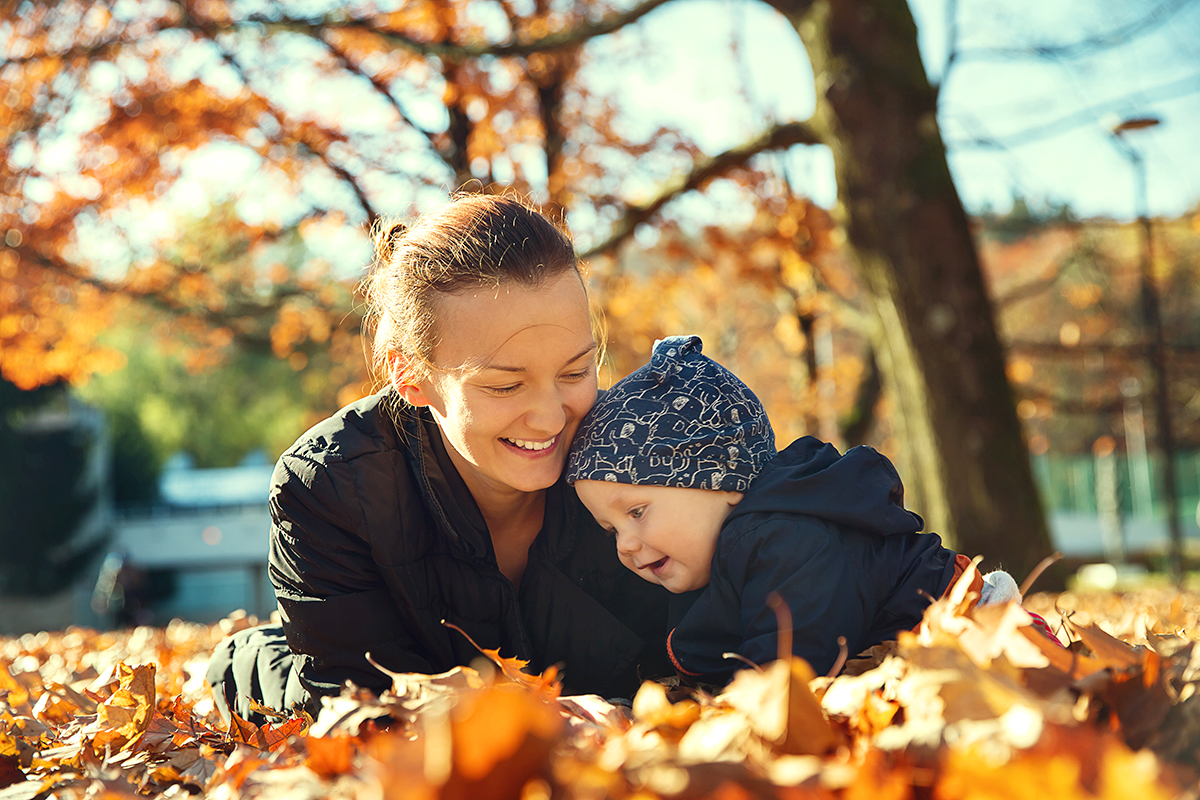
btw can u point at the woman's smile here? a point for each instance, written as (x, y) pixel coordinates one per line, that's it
(530, 446)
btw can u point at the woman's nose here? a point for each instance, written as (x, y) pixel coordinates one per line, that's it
(547, 413)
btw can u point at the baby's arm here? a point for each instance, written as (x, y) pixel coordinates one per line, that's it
(806, 564)
(808, 567)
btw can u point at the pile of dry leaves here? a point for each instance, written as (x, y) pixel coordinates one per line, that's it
(975, 704)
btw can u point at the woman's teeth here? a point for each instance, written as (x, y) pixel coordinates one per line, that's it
(527, 445)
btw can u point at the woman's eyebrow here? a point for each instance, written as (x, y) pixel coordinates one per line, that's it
(508, 368)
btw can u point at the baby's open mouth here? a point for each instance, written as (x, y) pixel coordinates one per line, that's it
(655, 566)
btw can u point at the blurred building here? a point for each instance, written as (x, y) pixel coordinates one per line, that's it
(201, 550)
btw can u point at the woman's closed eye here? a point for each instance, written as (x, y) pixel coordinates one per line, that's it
(579, 375)
(504, 389)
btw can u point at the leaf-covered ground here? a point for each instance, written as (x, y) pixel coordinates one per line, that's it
(972, 705)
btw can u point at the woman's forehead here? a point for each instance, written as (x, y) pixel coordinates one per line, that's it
(510, 327)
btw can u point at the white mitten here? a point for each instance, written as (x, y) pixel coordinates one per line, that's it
(999, 587)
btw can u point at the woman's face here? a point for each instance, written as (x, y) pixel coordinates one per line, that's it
(515, 373)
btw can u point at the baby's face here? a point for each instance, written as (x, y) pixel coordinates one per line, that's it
(665, 534)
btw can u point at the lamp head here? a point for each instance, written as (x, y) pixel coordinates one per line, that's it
(1134, 124)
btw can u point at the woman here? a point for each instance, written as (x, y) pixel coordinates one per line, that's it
(440, 498)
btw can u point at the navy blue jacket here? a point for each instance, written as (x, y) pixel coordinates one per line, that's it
(376, 541)
(830, 534)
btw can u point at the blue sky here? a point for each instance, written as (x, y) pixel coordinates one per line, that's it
(1052, 113)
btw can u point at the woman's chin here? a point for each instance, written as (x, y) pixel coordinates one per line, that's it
(536, 477)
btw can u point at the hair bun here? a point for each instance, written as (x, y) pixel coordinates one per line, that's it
(387, 237)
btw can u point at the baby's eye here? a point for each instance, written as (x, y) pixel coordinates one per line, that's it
(637, 513)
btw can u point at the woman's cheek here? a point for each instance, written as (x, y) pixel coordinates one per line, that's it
(583, 397)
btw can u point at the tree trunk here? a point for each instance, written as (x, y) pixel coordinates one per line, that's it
(963, 457)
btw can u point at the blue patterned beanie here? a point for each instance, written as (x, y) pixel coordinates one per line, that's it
(681, 420)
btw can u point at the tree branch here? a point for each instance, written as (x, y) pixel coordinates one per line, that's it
(1116, 36)
(778, 136)
(1070, 405)
(1028, 290)
(515, 46)
(1131, 350)
(1084, 116)
(571, 37)
(951, 20)
(159, 300)
(85, 51)
(210, 33)
(355, 69)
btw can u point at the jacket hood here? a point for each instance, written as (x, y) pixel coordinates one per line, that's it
(860, 489)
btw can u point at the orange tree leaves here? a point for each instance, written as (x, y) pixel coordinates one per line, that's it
(124, 716)
(518, 115)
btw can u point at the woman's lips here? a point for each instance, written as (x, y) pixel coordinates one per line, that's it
(531, 453)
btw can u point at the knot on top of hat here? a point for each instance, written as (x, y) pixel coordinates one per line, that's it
(669, 353)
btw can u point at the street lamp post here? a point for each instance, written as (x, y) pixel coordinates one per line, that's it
(1152, 320)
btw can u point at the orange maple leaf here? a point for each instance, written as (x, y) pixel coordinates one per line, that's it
(513, 669)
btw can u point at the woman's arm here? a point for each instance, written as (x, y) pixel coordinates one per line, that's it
(336, 607)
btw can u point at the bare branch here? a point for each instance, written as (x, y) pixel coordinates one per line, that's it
(210, 33)
(1085, 116)
(1028, 290)
(355, 69)
(160, 300)
(1116, 36)
(99, 49)
(779, 136)
(1134, 350)
(1070, 405)
(951, 41)
(571, 37)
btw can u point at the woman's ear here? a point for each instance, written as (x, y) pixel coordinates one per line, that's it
(414, 395)
(404, 378)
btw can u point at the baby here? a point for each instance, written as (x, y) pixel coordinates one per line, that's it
(678, 461)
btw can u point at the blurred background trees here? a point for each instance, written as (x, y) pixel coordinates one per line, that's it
(188, 185)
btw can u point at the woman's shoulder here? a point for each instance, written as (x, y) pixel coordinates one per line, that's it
(373, 424)
(360, 451)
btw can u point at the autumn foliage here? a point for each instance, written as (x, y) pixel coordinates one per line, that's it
(973, 704)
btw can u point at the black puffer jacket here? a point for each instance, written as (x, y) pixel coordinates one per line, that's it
(376, 541)
(830, 534)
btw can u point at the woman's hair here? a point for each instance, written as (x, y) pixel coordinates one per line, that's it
(474, 240)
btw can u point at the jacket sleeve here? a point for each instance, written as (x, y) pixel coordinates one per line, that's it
(806, 564)
(336, 607)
